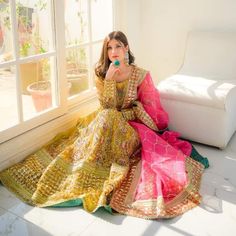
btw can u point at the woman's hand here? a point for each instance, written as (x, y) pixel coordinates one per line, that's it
(112, 72)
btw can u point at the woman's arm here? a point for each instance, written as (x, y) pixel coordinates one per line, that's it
(106, 90)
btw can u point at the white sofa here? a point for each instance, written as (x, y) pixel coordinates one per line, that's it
(201, 97)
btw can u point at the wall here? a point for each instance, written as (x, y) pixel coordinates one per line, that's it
(160, 28)
(128, 19)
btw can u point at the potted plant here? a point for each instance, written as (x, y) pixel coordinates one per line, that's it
(40, 90)
(76, 70)
(34, 75)
(30, 42)
(76, 61)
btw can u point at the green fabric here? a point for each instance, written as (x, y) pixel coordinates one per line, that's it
(109, 209)
(77, 202)
(198, 157)
(70, 203)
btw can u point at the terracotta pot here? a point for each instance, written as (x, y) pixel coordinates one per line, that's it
(29, 73)
(41, 95)
(78, 83)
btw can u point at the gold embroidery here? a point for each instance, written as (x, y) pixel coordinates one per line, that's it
(188, 198)
(106, 92)
(143, 116)
(89, 167)
(92, 160)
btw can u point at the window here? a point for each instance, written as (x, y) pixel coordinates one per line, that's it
(86, 23)
(46, 60)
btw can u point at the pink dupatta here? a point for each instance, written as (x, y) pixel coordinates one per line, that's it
(163, 172)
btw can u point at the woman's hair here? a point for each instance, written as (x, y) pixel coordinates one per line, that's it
(104, 62)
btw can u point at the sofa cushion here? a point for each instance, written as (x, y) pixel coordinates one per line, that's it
(199, 90)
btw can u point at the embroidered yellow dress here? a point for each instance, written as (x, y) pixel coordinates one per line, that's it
(85, 163)
(114, 157)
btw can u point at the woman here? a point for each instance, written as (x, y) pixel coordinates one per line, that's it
(117, 157)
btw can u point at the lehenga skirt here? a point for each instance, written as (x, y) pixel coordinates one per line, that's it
(101, 163)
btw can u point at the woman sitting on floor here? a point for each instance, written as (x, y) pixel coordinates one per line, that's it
(120, 157)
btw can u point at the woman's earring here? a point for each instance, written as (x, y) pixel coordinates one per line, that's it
(127, 58)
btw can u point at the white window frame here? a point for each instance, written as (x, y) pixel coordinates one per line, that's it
(91, 91)
(24, 126)
(66, 105)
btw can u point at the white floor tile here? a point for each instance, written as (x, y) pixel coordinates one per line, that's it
(12, 225)
(57, 221)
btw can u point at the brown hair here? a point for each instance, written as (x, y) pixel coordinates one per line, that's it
(104, 62)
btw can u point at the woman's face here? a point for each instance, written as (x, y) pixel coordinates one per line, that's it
(116, 50)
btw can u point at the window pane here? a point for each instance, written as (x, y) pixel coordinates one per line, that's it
(6, 52)
(8, 101)
(101, 13)
(77, 69)
(36, 83)
(76, 21)
(34, 26)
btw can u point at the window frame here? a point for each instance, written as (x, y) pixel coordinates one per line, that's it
(25, 125)
(91, 92)
(65, 105)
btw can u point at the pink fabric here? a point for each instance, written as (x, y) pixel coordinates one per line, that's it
(172, 138)
(149, 97)
(163, 156)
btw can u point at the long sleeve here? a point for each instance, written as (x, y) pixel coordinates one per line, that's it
(149, 97)
(107, 96)
(106, 90)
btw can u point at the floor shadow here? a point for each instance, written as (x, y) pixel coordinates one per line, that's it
(153, 228)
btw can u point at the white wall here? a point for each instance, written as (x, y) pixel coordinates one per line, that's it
(128, 19)
(160, 28)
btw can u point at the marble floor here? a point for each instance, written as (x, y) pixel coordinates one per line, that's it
(216, 216)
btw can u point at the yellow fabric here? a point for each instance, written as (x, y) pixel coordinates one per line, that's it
(89, 161)
(98, 161)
